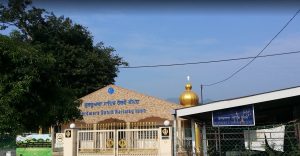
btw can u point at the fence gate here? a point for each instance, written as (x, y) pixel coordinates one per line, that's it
(136, 142)
(96, 142)
(121, 142)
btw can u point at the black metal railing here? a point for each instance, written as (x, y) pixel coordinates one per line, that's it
(255, 140)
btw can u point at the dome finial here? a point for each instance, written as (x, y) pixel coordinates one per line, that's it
(188, 86)
(188, 97)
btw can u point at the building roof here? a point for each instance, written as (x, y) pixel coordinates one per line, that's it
(241, 101)
(117, 103)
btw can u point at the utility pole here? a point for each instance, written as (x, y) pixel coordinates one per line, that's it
(201, 94)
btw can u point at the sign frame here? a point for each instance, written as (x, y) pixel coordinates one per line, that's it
(165, 132)
(68, 133)
(234, 125)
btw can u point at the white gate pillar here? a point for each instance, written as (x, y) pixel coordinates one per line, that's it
(204, 141)
(165, 141)
(70, 142)
(193, 136)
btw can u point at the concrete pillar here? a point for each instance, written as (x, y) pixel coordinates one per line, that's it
(183, 126)
(174, 135)
(70, 142)
(53, 138)
(94, 126)
(193, 136)
(127, 133)
(179, 136)
(95, 134)
(204, 140)
(165, 141)
(127, 125)
(197, 139)
(40, 130)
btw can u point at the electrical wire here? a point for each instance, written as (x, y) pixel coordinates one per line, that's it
(226, 60)
(212, 61)
(243, 67)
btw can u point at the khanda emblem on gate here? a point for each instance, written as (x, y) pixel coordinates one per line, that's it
(68, 134)
(165, 131)
(122, 143)
(109, 143)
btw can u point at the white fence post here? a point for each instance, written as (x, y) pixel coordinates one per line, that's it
(70, 142)
(165, 138)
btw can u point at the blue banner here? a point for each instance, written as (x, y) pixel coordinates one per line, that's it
(237, 116)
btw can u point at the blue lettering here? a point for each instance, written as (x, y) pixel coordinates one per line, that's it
(131, 101)
(110, 103)
(140, 111)
(106, 103)
(121, 102)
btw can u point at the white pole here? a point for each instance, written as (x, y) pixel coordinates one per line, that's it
(193, 136)
(204, 140)
(174, 133)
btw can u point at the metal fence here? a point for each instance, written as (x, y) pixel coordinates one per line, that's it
(100, 142)
(257, 140)
(119, 125)
(184, 144)
(123, 142)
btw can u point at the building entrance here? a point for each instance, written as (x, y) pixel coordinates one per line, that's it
(140, 139)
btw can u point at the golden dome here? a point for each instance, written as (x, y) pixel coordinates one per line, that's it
(188, 97)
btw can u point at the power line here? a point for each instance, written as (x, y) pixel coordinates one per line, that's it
(243, 67)
(212, 61)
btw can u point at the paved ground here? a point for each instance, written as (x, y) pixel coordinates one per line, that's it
(57, 154)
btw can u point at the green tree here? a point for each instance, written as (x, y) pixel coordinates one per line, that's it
(66, 65)
(20, 65)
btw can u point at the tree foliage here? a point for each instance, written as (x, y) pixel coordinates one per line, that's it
(46, 64)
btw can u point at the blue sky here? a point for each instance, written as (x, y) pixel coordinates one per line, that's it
(161, 37)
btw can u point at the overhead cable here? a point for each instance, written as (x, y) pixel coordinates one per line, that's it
(243, 67)
(211, 61)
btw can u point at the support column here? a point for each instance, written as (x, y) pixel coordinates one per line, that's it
(127, 134)
(94, 126)
(197, 139)
(40, 130)
(70, 142)
(165, 141)
(174, 135)
(183, 126)
(193, 136)
(127, 125)
(179, 136)
(53, 138)
(95, 135)
(204, 140)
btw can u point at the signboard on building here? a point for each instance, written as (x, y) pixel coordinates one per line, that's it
(237, 116)
(113, 102)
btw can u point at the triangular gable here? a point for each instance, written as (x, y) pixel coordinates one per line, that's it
(123, 104)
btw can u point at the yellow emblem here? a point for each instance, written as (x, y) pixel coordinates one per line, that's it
(122, 143)
(68, 134)
(165, 131)
(109, 143)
